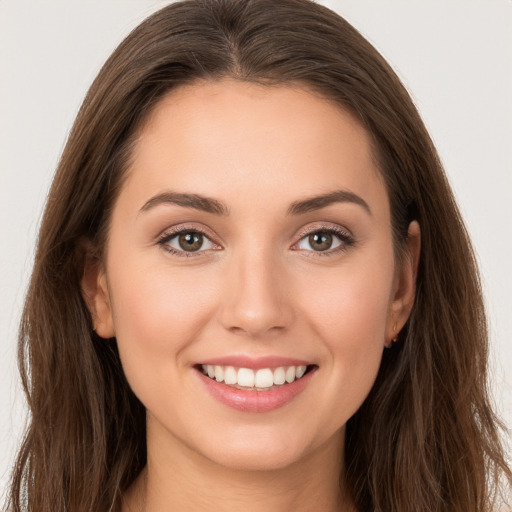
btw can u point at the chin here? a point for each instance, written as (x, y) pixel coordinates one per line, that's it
(261, 451)
(259, 457)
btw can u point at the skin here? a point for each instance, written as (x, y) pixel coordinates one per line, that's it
(259, 288)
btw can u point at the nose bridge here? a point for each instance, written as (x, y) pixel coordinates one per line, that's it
(256, 299)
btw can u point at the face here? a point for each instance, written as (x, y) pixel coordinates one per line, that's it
(249, 276)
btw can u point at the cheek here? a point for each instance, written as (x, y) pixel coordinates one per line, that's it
(348, 310)
(157, 313)
(350, 305)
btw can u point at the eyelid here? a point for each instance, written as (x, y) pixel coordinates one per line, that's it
(343, 234)
(185, 226)
(325, 226)
(174, 231)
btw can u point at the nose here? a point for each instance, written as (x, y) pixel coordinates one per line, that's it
(257, 299)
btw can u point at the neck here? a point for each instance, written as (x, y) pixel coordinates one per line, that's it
(183, 480)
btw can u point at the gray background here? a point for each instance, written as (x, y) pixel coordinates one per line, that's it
(455, 57)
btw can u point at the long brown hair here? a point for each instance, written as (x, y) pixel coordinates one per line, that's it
(426, 437)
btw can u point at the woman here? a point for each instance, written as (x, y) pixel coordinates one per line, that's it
(252, 286)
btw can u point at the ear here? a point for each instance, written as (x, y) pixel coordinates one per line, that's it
(95, 292)
(405, 284)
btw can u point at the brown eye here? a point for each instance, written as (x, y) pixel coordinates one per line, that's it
(320, 241)
(326, 240)
(190, 241)
(186, 242)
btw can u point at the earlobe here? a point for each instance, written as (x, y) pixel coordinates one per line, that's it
(405, 284)
(95, 292)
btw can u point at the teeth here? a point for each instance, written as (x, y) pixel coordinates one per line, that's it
(219, 373)
(263, 378)
(230, 376)
(300, 371)
(245, 377)
(279, 376)
(290, 374)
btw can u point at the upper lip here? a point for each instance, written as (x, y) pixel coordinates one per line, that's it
(245, 361)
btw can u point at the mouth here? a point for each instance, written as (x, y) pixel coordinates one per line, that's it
(255, 379)
(255, 384)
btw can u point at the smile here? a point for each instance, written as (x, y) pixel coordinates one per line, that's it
(255, 385)
(248, 378)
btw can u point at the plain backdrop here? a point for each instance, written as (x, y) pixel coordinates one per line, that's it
(455, 57)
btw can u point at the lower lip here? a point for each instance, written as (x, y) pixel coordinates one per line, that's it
(253, 400)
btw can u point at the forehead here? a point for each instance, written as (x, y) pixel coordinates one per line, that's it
(232, 139)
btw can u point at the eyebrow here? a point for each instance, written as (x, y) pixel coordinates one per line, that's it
(321, 201)
(196, 201)
(210, 205)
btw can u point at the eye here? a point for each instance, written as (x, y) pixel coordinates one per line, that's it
(186, 241)
(326, 240)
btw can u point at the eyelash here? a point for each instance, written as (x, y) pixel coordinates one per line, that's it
(346, 240)
(168, 236)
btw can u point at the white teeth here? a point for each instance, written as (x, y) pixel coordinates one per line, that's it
(264, 378)
(279, 376)
(219, 374)
(300, 371)
(246, 377)
(290, 374)
(230, 376)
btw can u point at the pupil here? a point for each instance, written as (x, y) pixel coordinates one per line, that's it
(320, 241)
(191, 241)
